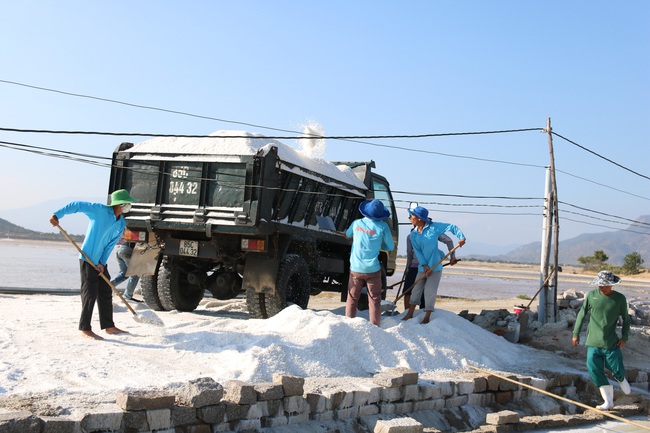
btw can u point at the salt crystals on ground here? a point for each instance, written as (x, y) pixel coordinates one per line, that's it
(43, 352)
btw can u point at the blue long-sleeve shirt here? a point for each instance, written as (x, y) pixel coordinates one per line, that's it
(368, 238)
(103, 232)
(425, 244)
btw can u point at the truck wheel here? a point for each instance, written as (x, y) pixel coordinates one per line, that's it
(292, 286)
(175, 291)
(149, 289)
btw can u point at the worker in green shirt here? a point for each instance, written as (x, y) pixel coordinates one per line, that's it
(603, 343)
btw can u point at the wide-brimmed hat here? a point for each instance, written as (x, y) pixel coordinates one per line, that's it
(374, 209)
(121, 196)
(420, 212)
(605, 278)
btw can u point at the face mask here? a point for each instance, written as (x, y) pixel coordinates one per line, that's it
(126, 207)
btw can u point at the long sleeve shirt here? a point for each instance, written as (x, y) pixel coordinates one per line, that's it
(412, 260)
(604, 314)
(368, 238)
(425, 244)
(103, 232)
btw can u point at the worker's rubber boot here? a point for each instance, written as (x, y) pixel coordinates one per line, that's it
(625, 386)
(607, 391)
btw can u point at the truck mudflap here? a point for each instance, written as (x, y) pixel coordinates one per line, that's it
(260, 274)
(144, 259)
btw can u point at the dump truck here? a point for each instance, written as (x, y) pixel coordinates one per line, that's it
(235, 213)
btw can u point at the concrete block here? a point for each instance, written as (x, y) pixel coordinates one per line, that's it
(144, 400)
(291, 385)
(257, 410)
(275, 407)
(183, 415)
(544, 405)
(57, 424)
(360, 398)
(409, 377)
(446, 387)
(411, 392)
(459, 400)
(429, 391)
(269, 391)
(347, 413)
(387, 408)
(317, 402)
(240, 392)
(388, 380)
(200, 392)
(347, 400)
(398, 425)
(503, 417)
(235, 412)
(20, 422)
(106, 420)
(480, 384)
(465, 387)
(481, 399)
(135, 420)
(333, 398)
(212, 414)
(295, 405)
(369, 409)
(158, 419)
(404, 407)
(390, 394)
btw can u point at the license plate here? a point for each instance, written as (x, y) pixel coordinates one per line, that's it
(189, 248)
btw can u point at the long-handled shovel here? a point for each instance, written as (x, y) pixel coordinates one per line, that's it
(390, 309)
(143, 317)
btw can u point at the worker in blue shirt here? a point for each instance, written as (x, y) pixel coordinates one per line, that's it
(104, 230)
(424, 239)
(369, 235)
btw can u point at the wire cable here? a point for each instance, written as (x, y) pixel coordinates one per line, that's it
(601, 156)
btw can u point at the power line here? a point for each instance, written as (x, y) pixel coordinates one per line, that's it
(601, 184)
(146, 107)
(601, 156)
(269, 137)
(608, 227)
(351, 138)
(602, 213)
(82, 157)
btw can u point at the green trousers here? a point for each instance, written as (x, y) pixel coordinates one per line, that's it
(598, 359)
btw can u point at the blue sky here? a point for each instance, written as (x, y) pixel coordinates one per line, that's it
(356, 68)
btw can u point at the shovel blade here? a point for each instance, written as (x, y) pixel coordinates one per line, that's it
(148, 317)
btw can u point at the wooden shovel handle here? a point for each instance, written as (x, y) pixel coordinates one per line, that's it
(94, 266)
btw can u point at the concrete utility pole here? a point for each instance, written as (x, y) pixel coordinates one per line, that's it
(550, 234)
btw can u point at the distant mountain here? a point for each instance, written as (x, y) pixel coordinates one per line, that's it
(616, 246)
(12, 231)
(37, 217)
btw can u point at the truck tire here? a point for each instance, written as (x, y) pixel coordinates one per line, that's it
(149, 289)
(292, 286)
(175, 291)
